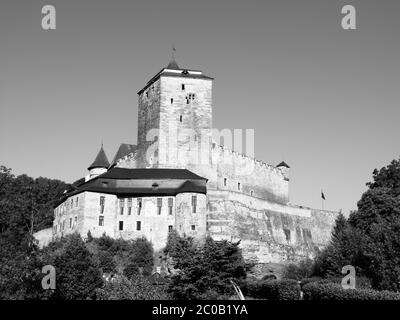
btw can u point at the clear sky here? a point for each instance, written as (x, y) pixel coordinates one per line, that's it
(324, 99)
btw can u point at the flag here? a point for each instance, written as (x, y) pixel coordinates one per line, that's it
(322, 195)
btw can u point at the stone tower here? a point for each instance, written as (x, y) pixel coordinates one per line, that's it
(175, 120)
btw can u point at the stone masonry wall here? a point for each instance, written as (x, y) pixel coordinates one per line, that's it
(269, 233)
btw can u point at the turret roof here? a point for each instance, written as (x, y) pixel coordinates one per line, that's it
(101, 160)
(283, 164)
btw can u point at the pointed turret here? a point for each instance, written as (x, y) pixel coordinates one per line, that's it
(99, 165)
(285, 169)
(101, 160)
(172, 64)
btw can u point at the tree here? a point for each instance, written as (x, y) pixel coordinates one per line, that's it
(370, 240)
(77, 274)
(204, 272)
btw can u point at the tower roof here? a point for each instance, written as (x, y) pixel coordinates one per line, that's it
(283, 164)
(172, 64)
(101, 160)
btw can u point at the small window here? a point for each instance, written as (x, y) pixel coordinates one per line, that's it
(76, 201)
(225, 182)
(170, 228)
(159, 205)
(138, 225)
(121, 206)
(183, 86)
(76, 221)
(287, 234)
(102, 203)
(104, 184)
(193, 227)
(180, 118)
(101, 221)
(139, 200)
(172, 100)
(194, 204)
(70, 223)
(121, 225)
(170, 205)
(129, 206)
(252, 193)
(187, 101)
(239, 186)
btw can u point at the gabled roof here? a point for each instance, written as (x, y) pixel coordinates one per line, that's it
(124, 149)
(283, 164)
(101, 160)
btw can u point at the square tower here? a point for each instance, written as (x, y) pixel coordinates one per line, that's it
(175, 120)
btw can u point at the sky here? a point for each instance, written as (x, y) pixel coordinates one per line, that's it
(323, 99)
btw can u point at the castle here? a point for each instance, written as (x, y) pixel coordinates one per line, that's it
(178, 178)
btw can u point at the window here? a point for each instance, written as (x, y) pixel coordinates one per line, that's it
(191, 96)
(76, 221)
(239, 186)
(170, 205)
(121, 206)
(105, 184)
(252, 193)
(193, 227)
(170, 228)
(139, 200)
(121, 225)
(129, 206)
(102, 203)
(101, 221)
(225, 181)
(194, 204)
(138, 225)
(159, 205)
(180, 118)
(76, 201)
(172, 100)
(183, 86)
(287, 234)
(70, 223)
(72, 203)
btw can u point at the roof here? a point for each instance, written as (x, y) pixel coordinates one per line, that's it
(186, 73)
(152, 173)
(142, 183)
(101, 160)
(172, 64)
(283, 164)
(124, 150)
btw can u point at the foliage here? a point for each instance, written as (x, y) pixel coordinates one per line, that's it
(138, 288)
(25, 207)
(370, 239)
(326, 290)
(302, 270)
(206, 271)
(273, 289)
(77, 273)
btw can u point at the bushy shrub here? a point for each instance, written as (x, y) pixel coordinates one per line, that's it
(138, 288)
(303, 269)
(273, 289)
(326, 290)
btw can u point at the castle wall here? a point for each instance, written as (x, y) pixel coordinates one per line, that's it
(154, 224)
(186, 218)
(269, 232)
(256, 178)
(148, 119)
